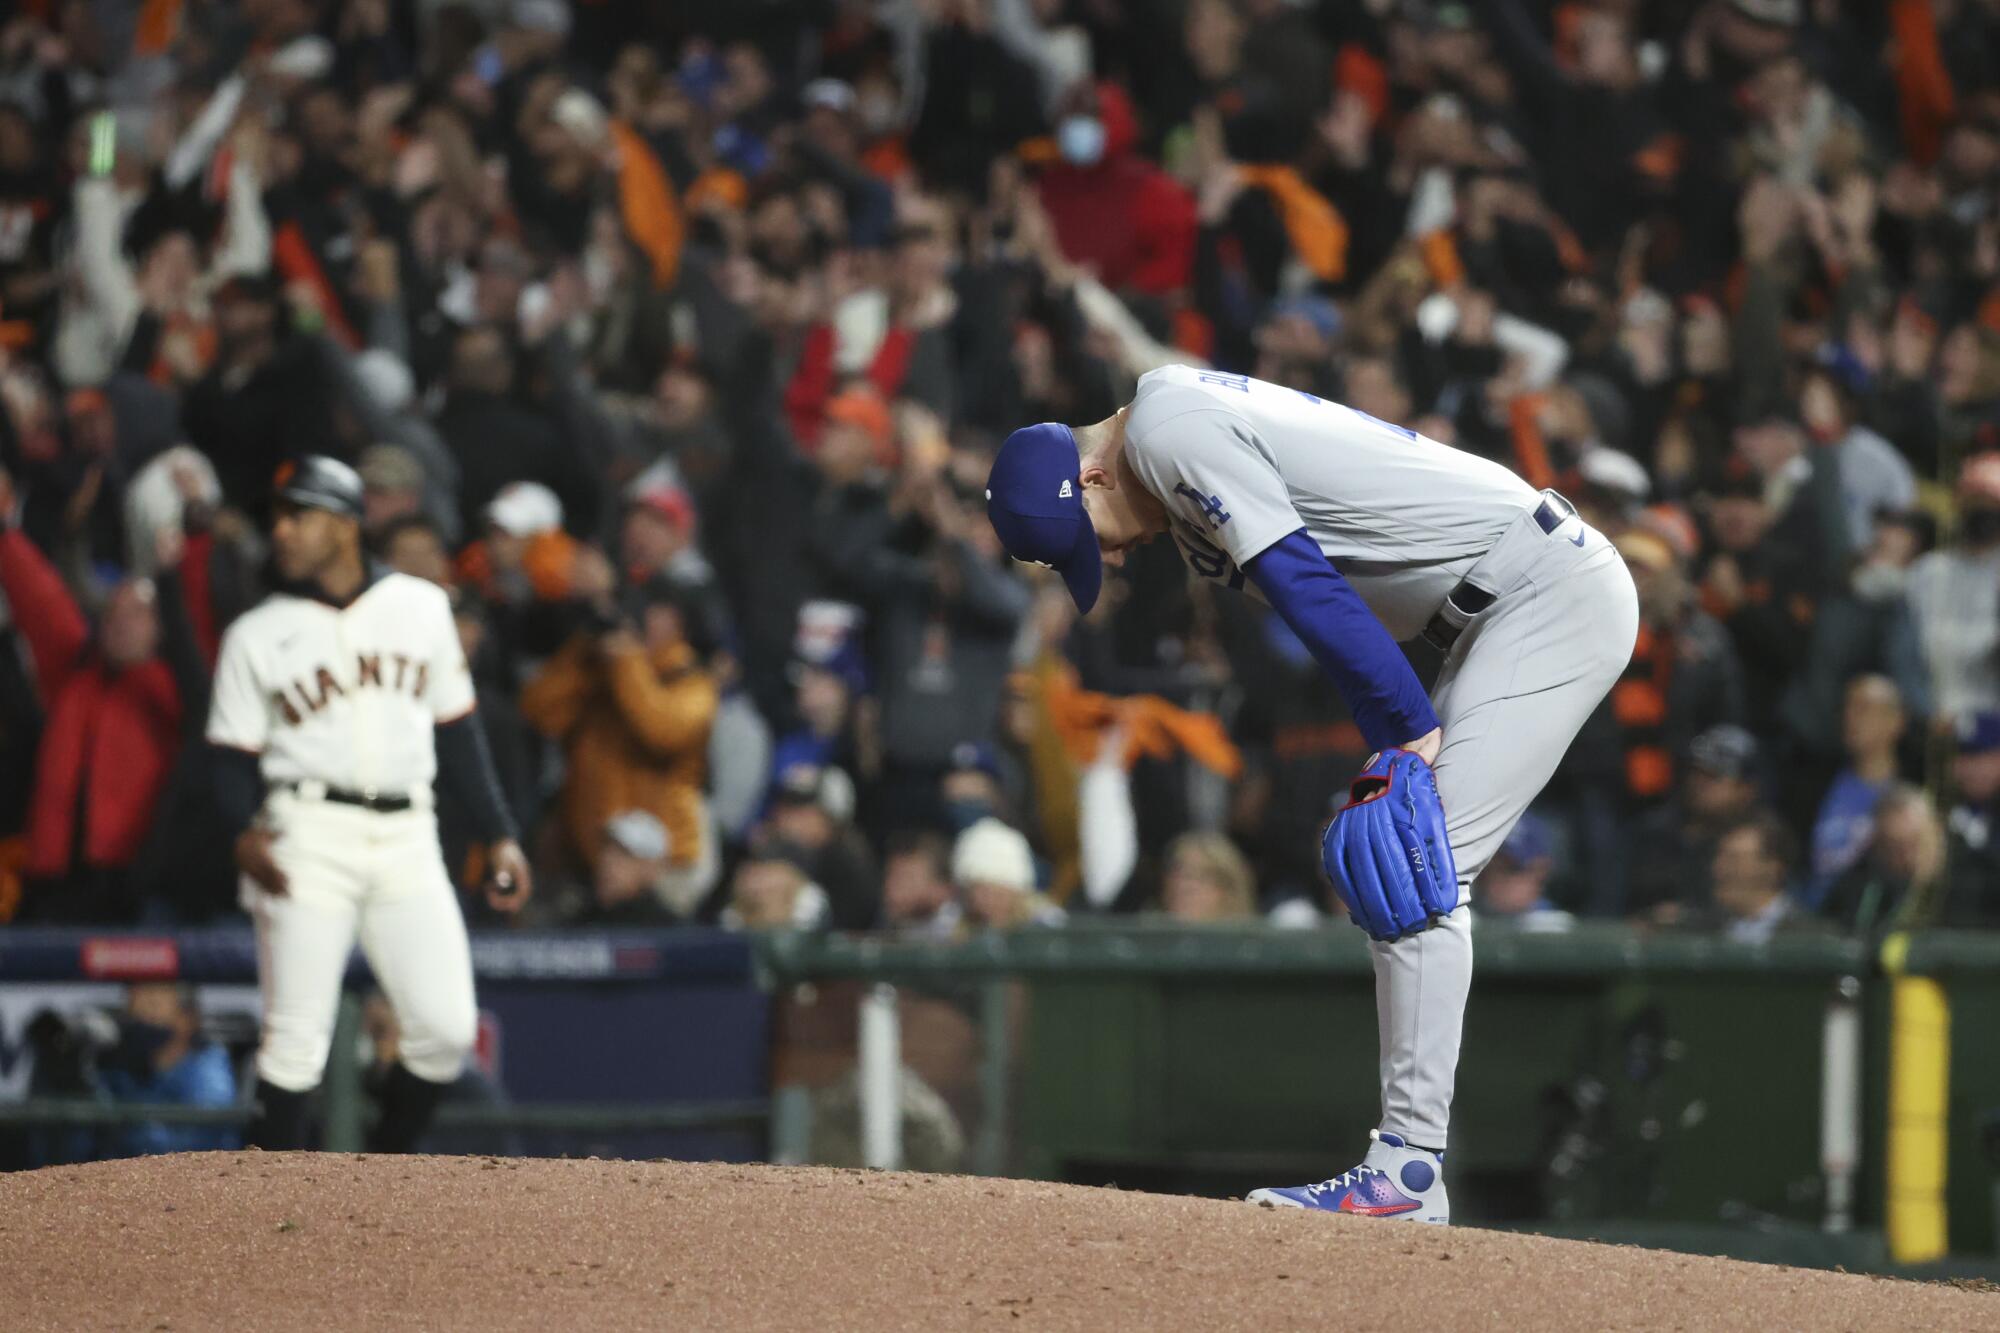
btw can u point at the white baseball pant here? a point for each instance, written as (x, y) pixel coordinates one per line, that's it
(380, 876)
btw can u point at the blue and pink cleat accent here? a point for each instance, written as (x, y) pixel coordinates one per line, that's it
(1394, 1180)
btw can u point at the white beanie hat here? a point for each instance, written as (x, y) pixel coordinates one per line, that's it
(991, 853)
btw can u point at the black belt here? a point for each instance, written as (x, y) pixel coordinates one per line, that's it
(367, 800)
(1467, 600)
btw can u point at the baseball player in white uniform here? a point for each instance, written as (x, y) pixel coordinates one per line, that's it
(337, 701)
(1360, 534)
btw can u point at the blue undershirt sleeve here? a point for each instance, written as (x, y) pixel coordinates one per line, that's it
(1322, 608)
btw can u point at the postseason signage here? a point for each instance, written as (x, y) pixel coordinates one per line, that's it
(230, 954)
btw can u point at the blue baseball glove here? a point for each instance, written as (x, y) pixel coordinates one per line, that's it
(1386, 851)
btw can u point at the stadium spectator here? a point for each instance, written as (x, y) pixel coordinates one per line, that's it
(1871, 731)
(1674, 848)
(113, 695)
(994, 872)
(265, 398)
(1973, 822)
(392, 484)
(917, 897)
(163, 1059)
(632, 709)
(972, 787)
(1952, 596)
(1899, 881)
(812, 811)
(413, 545)
(1115, 213)
(772, 891)
(1207, 880)
(657, 540)
(826, 692)
(943, 613)
(1684, 678)
(1864, 628)
(1748, 898)
(624, 888)
(496, 441)
(1513, 891)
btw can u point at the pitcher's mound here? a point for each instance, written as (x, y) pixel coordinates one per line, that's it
(294, 1240)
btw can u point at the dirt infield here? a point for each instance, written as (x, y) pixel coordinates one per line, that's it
(242, 1240)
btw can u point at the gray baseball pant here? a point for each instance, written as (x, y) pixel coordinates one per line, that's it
(1513, 692)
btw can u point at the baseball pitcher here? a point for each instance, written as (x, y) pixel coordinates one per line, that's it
(337, 702)
(1361, 534)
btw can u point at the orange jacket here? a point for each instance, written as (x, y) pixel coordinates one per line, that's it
(635, 731)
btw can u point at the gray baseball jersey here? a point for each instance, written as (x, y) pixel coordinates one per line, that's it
(1241, 463)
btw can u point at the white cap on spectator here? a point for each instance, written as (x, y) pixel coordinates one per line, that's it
(825, 627)
(525, 509)
(991, 853)
(550, 16)
(828, 95)
(639, 834)
(386, 378)
(1608, 469)
(308, 57)
(582, 116)
(1777, 13)
(810, 908)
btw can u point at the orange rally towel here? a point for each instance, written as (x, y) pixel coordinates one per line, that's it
(1318, 233)
(1927, 101)
(1153, 726)
(646, 203)
(158, 25)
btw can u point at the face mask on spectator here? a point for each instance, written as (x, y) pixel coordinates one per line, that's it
(962, 815)
(1879, 583)
(1081, 140)
(1981, 526)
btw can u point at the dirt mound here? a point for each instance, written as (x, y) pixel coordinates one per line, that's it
(330, 1242)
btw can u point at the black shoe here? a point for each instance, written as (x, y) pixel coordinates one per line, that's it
(408, 1103)
(280, 1125)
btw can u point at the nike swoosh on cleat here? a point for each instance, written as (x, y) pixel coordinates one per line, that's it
(1348, 1205)
(1577, 540)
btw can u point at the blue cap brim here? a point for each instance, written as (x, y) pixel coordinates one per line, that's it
(1083, 571)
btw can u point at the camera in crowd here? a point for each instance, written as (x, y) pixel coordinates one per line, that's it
(71, 1050)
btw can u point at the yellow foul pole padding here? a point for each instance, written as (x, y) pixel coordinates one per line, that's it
(1919, 1087)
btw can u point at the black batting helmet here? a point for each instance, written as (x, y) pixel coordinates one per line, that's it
(319, 482)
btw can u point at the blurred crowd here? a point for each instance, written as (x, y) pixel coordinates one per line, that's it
(675, 340)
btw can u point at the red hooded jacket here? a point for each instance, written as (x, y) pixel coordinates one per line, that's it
(111, 736)
(1123, 216)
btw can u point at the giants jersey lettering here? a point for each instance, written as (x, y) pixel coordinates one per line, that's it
(348, 695)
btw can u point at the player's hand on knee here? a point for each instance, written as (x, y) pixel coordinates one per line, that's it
(253, 858)
(1427, 745)
(511, 883)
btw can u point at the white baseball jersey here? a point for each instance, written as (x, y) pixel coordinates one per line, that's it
(1241, 464)
(347, 696)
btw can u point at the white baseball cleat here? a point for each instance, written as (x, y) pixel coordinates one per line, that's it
(1393, 1180)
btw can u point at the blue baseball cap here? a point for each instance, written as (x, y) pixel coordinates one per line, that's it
(1530, 839)
(1035, 502)
(1979, 733)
